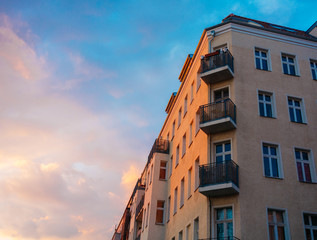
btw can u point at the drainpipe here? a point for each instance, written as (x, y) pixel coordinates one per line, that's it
(210, 217)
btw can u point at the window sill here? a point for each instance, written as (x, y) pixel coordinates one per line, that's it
(196, 189)
(189, 197)
(304, 123)
(190, 144)
(277, 178)
(307, 182)
(160, 224)
(185, 114)
(167, 221)
(183, 154)
(163, 179)
(268, 70)
(292, 75)
(197, 132)
(176, 165)
(268, 117)
(181, 206)
(174, 213)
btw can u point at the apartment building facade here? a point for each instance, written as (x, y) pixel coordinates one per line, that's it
(235, 156)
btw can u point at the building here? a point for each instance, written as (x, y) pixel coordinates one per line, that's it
(235, 156)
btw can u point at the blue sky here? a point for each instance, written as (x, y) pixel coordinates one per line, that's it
(84, 86)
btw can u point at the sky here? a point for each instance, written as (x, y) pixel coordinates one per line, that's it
(83, 89)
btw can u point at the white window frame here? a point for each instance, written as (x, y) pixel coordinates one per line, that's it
(168, 209)
(279, 160)
(219, 46)
(185, 105)
(214, 220)
(286, 224)
(198, 82)
(197, 161)
(190, 139)
(151, 174)
(179, 117)
(147, 216)
(180, 235)
(273, 106)
(161, 169)
(268, 58)
(160, 209)
(189, 182)
(310, 227)
(175, 200)
(197, 122)
(311, 164)
(173, 129)
(196, 229)
(188, 231)
(182, 193)
(301, 107)
(217, 89)
(313, 68)
(184, 146)
(192, 92)
(296, 69)
(177, 156)
(171, 166)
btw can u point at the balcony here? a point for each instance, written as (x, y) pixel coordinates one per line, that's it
(216, 67)
(160, 146)
(139, 210)
(219, 179)
(218, 117)
(221, 238)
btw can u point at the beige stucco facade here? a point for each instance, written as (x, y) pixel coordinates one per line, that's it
(258, 193)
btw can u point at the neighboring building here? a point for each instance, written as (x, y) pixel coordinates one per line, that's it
(235, 156)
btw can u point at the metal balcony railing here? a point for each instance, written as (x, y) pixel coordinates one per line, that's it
(160, 146)
(218, 110)
(218, 173)
(221, 238)
(139, 207)
(215, 60)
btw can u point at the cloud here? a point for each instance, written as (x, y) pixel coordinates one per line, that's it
(61, 163)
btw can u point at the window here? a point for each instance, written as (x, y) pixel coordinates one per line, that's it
(310, 221)
(261, 59)
(168, 209)
(173, 130)
(304, 166)
(171, 166)
(313, 67)
(144, 218)
(181, 202)
(163, 166)
(224, 223)
(191, 92)
(189, 183)
(179, 117)
(180, 235)
(271, 161)
(197, 122)
(147, 214)
(188, 232)
(196, 229)
(148, 179)
(160, 212)
(190, 134)
(151, 174)
(175, 200)
(198, 82)
(185, 105)
(184, 145)
(197, 173)
(266, 105)
(289, 65)
(168, 137)
(223, 152)
(295, 110)
(177, 156)
(221, 94)
(277, 224)
(222, 47)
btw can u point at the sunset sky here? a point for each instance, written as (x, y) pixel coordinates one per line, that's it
(83, 89)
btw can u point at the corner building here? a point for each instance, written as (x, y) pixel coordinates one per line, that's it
(236, 156)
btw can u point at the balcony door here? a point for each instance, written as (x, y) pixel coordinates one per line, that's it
(221, 94)
(222, 152)
(224, 223)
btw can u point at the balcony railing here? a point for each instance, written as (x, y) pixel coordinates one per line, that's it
(160, 146)
(221, 238)
(221, 178)
(216, 66)
(211, 112)
(139, 208)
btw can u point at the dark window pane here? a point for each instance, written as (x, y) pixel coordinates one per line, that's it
(268, 98)
(283, 59)
(219, 159)
(297, 154)
(274, 167)
(314, 220)
(308, 235)
(273, 151)
(268, 110)
(300, 172)
(281, 233)
(306, 219)
(307, 172)
(266, 167)
(292, 69)
(305, 155)
(228, 157)
(290, 60)
(263, 54)
(257, 53)
(261, 105)
(229, 213)
(315, 234)
(260, 96)
(271, 232)
(314, 74)
(299, 115)
(291, 114)
(285, 70)
(219, 148)
(265, 149)
(227, 147)
(264, 63)
(257, 63)
(296, 103)
(290, 102)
